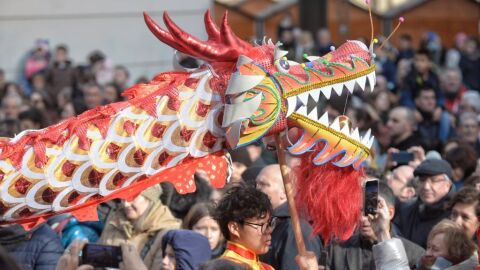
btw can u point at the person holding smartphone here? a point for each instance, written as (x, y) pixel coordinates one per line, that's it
(356, 252)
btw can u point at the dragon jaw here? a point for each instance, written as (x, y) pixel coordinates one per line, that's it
(265, 100)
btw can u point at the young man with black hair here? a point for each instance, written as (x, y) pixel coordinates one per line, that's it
(245, 218)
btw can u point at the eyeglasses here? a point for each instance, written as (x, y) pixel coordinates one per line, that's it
(432, 179)
(271, 223)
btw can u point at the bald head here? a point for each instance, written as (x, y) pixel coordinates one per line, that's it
(270, 182)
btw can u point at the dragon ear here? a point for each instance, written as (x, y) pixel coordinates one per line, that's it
(222, 45)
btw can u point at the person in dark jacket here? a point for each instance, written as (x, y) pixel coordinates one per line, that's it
(38, 249)
(184, 250)
(283, 250)
(356, 252)
(417, 217)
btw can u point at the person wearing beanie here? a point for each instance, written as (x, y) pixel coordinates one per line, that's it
(141, 222)
(415, 218)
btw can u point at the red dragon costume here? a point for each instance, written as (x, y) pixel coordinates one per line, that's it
(181, 122)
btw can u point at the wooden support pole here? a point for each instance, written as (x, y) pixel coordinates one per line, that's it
(289, 191)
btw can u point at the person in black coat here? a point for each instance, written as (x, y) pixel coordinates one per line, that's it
(417, 217)
(356, 252)
(38, 249)
(283, 249)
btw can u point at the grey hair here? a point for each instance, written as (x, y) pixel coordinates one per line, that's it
(472, 98)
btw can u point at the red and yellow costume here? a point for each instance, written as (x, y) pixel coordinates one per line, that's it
(242, 255)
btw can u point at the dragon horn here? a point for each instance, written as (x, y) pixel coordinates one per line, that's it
(161, 34)
(228, 38)
(211, 28)
(227, 30)
(198, 48)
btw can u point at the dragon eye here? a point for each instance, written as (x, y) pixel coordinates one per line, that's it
(282, 64)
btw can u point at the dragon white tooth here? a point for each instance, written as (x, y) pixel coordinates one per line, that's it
(338, 87)
(371, 80)
(315, 94)
(370, 142)
(327, 91)
(242, 60)
(355, 135)
(270, 42)
(336, 124)
(292, 102)
(350, 85)
(302, 110)
(324, 119)
(313, 114)
(345, 130)
(362, 81)
(366, 137)
(240, 83)
(304, 98)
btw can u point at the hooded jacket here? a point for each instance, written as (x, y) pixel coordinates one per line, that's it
(191, 248)
(37, 249)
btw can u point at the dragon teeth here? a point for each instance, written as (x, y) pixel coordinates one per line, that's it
(292, 102)
(303, 109)
(345, 130)
(338, 87)
(313, 114)
(361, 82)
(350, 85)
(324, 119)
(371, 79)
(315, 94)
(366, 137)
(356, 134)
(327, 91)
(336, 124)
(304, 98)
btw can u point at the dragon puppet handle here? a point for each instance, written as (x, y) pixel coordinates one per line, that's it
(181, 122)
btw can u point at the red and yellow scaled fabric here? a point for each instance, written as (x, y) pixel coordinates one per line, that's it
(240, 254)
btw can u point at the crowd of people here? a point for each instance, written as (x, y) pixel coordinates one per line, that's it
(425, 104)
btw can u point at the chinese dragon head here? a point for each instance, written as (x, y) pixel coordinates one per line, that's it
(181, 122)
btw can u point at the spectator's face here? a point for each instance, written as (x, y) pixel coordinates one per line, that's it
(93, 97)
(451, 82)
(398, 182)
(470, 47)
(422, 63)
(169, 262)
(37, 101)
(436, 246)
(120, 77)
(366, 228)
(68, 111)
(464, 215)
(382, 102)
(397, 123)
(405, 44)
(468, 130)
(11, 108)
(110, 94)
(270, 182)
(134, 209)
(323, 37)
(426, 101)
(253, 236)
(433, 188)
(60, 55)
(209, 228)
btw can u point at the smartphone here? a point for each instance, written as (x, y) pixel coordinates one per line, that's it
(370, 203)
(101, 255)
(402, 158)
